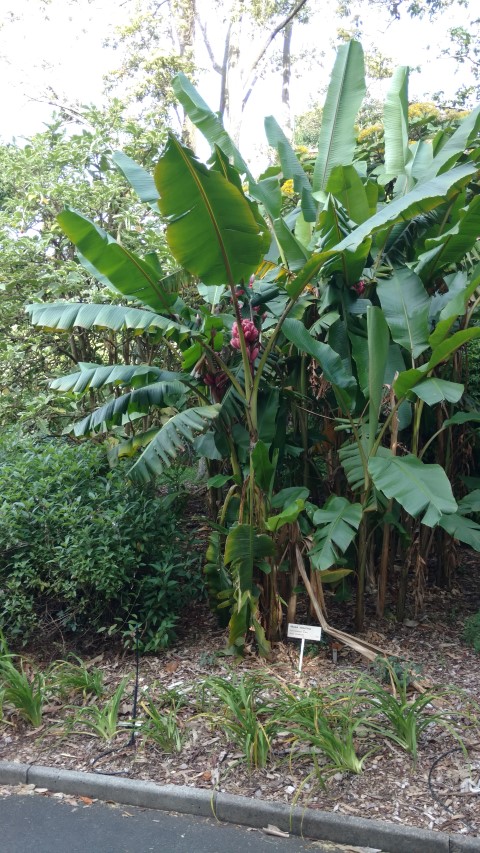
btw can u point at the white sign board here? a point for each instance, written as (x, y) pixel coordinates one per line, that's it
(303, 632)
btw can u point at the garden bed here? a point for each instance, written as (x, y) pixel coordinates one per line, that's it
(390, 787)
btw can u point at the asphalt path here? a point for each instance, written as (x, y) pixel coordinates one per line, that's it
(45, 824)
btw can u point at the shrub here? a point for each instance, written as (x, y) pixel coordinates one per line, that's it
(81, 549)
(471, 631)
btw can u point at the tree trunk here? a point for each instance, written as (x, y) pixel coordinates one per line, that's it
(232, 87)
(286, 75)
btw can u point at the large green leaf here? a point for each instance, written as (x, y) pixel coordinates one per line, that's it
(308, 272)
(171, 439)
(434, 390)
(95, 376)
(451, 246)
(138, 178)
(353, 457)
(444, 350)
(462, 528)
(266, 191)
(206, 120)
(336, 144)
(332, 366)
(421, 155)
(470, 503)
(291, 167)
(456, 306)
(114, 265)
(462, 418)
(406, 304)
(263, 468)
(64, 316)
(423, 197)
(336, 527)
(396, 125)
(211, 229)
(346, 185)
(293, 251)
(287, 516)
(454, 146)
(418, 487)
(244, 549)
(129, 406)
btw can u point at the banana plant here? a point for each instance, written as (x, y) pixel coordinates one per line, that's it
(355, 290)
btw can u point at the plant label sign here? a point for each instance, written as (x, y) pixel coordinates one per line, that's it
(304, 632)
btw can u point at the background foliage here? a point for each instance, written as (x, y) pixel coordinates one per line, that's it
(82, 551)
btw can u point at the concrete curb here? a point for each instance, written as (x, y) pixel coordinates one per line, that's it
(318, 825)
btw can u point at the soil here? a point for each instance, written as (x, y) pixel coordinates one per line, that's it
(442, 792)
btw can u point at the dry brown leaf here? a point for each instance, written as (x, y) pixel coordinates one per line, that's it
(274, 830)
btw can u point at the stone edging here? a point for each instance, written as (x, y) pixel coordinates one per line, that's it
(311, 823)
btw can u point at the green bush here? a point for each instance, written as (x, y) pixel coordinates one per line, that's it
(471, 631)
(81, 549)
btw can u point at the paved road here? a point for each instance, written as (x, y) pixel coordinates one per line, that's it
(44, 824)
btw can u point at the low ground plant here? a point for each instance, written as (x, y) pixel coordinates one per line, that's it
(241, 708)
(399, 717)
(101, 721)
(26, 694)
(161, 724)
(73, 676)
(326, 724)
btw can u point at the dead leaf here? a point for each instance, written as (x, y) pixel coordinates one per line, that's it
(274, 830)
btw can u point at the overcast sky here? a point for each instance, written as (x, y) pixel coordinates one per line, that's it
(66, 51)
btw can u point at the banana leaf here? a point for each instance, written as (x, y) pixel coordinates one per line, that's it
(343, 383)
(208, 122)
(417, 487)
(171, 440)
(336, 144)
(95, 376)
(138, 178)
(434, 390)
(454, 146)
(244, 549)
(336, 527)
(291, 167)
(423, 197)
(211, 229)
(464, 529)
(113, 265)
(451, 246)
(395, 115)
(64, 316)
(406, 305)
(346, 185)
(130, 405)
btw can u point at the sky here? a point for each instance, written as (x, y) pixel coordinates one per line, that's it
(61, 45)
